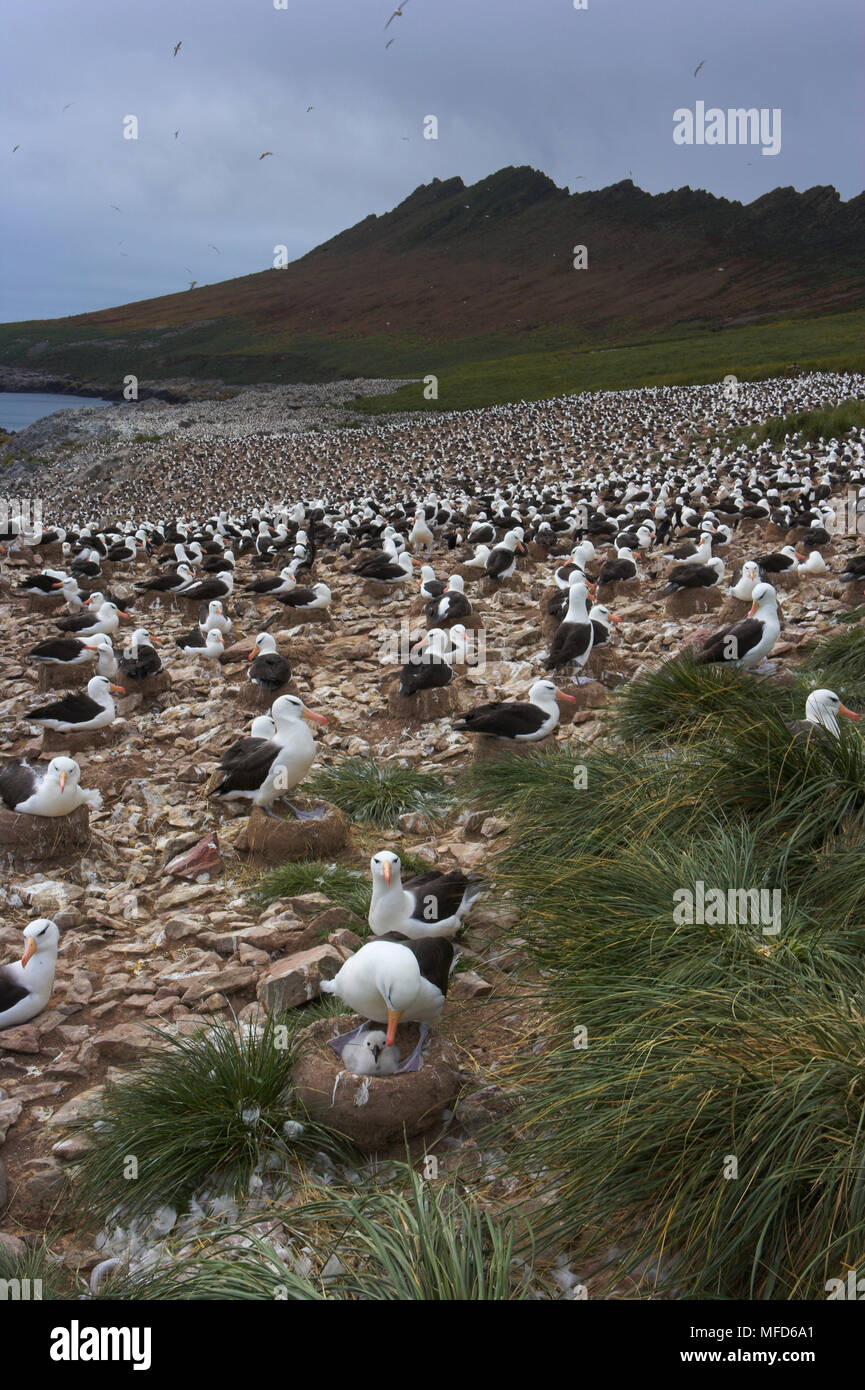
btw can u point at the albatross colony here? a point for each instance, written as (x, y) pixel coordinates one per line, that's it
(235, 565)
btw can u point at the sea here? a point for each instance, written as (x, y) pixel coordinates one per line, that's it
(18, 409)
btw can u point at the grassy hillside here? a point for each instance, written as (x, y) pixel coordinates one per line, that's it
(477, 286)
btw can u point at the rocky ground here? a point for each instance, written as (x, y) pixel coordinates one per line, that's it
(192, 411)
(141, 946)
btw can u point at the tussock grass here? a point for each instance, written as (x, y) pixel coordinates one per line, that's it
(675, 702)
(430, 1241)
(349, 888)
(345, 887)
(838, 663)
(207, 1110)
(374, 793)
(704, 1039)
(647, 1116)
(829, 422)
(36, 1266)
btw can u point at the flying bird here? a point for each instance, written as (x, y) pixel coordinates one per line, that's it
(699, 65)
(389, 42)
(15, 147)
(214, 248)
(177, 48)
(397, 14)
(67, 106)
(176, 133)
(114, 206)
(309, 108)
(192, 284)
(266, 153)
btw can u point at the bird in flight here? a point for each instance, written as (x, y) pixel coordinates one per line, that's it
(699, 65)
(214, 248)
(310, 108)
(389, 42)
(114, 206)
(177, 48)
(176, 133)
(15, 147)
(397, 14)
(192, 284)
(67, 106)
(266, 153)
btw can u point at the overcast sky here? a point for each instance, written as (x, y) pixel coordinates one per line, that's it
(586, 93)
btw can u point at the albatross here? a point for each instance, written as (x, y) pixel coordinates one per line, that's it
(25, 986)
(427, 905)
(54, 790)
(748, 642)
(273, 768)
(77, 712)
(821, 716)
(388, 980)
(268, 670)
(520, 720)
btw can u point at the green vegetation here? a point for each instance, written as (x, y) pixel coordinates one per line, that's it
(737, 1035)
(668, 704)
(427, 1242)
(345, 887)
(838, 663)
(832, 422)
(472, 371)
(206, 1109)
(373, 793)
(671, 358)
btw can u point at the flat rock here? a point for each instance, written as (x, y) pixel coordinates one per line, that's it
(297, 979)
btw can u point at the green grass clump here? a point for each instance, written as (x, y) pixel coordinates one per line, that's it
(346, 887)
(431, 1242)
(828, 422)
(838, 663)
(650, 1114)
(38, 1275)
(207, 1109)
(676, 700)
(349, 888)
(373, 793)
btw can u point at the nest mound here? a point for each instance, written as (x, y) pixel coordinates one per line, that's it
(373, 1111)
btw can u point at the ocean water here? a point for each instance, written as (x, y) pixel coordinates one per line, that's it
(18, 409)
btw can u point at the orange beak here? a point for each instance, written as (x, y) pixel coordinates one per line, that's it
(63, 781)
(571, 699)
(614, 619)
(392, 1021)
(30, 950)
(253, 653)
(851, 714)
(316, 718)
(121, 614)
(118, 689)
(752, 610)
(385, 869)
